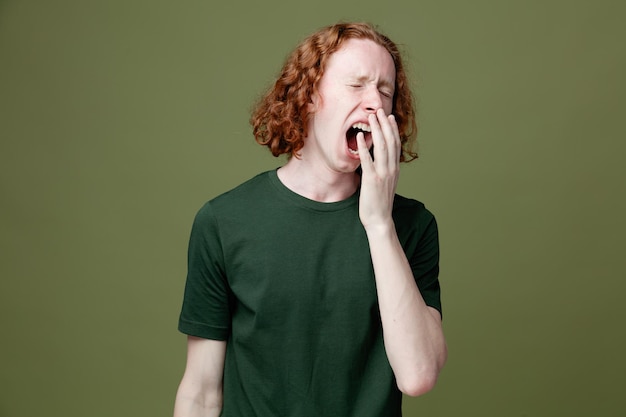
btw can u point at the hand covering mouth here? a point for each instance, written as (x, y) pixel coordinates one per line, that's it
(351, 135)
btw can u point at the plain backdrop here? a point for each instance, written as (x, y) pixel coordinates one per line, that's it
(119, 119)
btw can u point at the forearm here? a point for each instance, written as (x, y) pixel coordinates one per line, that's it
(197, 404)
(200, 391)
(412, 331)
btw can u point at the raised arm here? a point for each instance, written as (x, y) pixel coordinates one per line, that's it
(412, 331)
(200, 391)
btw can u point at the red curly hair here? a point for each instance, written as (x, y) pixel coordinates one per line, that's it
(280, 118)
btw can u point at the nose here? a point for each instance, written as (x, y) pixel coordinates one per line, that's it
(372, 99)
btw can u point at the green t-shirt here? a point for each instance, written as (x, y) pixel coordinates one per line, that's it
(288, 283)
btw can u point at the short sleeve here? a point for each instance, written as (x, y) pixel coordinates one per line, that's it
(425, 260)
(205, 311)
(419, 235)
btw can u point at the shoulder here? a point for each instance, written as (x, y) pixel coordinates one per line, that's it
(241, 203)
(407, 208)
(242, 194)
(414, 222)
(256, 184)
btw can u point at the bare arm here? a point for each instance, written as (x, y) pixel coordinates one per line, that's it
(412, 331)
(200, 391)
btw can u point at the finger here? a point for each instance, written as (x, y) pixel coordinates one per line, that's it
(397, 144)
(379, 142)
(389, 128)
(366, 159)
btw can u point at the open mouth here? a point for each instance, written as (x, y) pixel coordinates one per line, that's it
(351, 136)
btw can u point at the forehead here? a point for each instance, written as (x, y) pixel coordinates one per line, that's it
(362, 58)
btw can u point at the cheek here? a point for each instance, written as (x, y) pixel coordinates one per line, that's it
(388, 106)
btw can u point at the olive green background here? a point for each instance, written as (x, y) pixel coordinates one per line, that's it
(118, 119)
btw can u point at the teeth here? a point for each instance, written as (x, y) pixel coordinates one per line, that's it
(362, 126)
(353, 152)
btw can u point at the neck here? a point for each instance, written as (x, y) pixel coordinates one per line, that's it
(321, 185)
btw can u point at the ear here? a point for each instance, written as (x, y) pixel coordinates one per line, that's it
(314, 103)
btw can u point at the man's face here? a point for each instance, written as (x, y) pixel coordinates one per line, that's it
(358, 80)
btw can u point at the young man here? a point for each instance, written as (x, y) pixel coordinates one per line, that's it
(313, 289)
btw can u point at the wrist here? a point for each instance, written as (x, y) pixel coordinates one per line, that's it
(380, 229)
